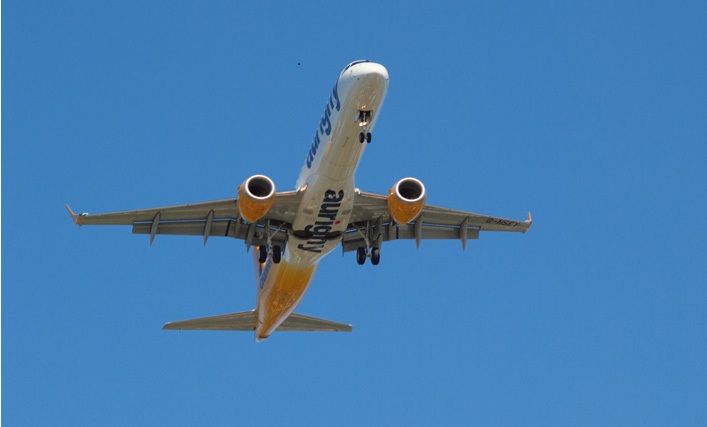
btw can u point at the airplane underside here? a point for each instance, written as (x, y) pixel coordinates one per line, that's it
(294, 230)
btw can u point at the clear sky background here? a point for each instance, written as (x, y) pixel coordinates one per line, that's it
(591, 115)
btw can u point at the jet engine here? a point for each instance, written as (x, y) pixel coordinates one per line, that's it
(406, 200)
(255, 197)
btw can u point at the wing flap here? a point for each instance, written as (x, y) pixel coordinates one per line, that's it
(219, 228)
(185, 228)
(352, 240)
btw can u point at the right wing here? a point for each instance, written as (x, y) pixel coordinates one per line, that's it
(371, 221)
(214, 218)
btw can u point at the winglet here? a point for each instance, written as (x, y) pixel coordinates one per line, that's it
(529, 221)
(74, 217)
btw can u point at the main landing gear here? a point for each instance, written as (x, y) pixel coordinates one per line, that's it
(372, 239)
(269, 249)
(263, 254)
(361, 255)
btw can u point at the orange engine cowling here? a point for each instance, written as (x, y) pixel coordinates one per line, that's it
(255, 197)
(406, 199)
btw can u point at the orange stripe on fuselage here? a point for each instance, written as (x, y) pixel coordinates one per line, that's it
(283, 289)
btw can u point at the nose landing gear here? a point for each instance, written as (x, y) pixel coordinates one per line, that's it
(363, 118)
(364, 136)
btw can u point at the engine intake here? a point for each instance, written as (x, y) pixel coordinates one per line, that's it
(406, 200)
(255, 197)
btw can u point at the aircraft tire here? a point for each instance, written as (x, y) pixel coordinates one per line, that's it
(276, 254)
(263, 254)
(361, 256)
(375, 256)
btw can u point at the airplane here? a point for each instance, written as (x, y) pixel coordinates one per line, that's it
(294, 230)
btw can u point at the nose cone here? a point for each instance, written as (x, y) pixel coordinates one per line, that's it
(364, 84)
(358, 70)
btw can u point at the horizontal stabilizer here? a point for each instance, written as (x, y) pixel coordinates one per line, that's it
(246, 322)
(227, 322)
(299, 322)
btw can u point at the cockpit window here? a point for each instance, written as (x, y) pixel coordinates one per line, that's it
(354, 63)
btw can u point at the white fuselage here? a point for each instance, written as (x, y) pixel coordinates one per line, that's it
(327, 183)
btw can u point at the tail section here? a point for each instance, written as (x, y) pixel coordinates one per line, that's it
(246, 321)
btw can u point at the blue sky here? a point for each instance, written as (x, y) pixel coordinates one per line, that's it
(593, 116)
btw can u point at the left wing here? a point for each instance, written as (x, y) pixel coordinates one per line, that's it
(214, 218)
(370, 220)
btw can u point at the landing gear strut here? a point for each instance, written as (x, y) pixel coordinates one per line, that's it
(372, 238)
(274, 250)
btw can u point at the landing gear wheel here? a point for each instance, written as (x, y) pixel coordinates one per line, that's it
(263, 254)
(361, 137)
(368, 137)
(375, 256)
(361, 256)
(276, 254)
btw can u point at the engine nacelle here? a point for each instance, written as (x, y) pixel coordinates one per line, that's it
(255, 197)
(406, 200)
